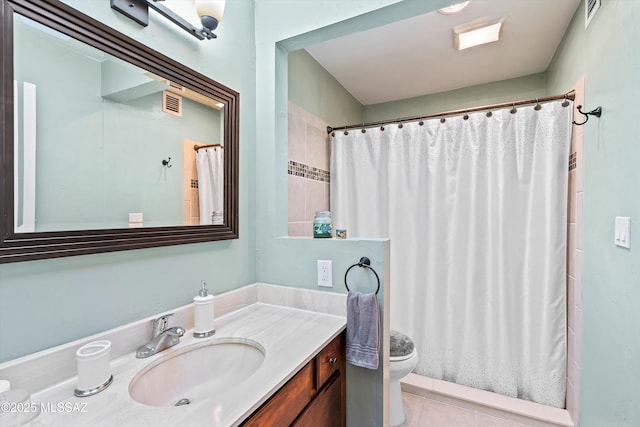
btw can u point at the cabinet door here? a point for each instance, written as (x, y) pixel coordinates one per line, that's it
(330, 359)
(326, 409)
(287, 403)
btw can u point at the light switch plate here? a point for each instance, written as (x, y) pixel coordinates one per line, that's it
(623, 232)
(136, 217)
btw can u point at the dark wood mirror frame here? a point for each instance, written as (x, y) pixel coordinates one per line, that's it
(16, 247)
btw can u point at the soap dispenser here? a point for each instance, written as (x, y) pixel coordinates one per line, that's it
(204, 319)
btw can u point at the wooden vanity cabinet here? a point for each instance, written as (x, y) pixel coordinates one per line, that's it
(314, 397)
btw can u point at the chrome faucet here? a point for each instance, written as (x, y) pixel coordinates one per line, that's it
(163, 337)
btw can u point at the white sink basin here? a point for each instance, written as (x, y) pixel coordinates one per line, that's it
(197, 372)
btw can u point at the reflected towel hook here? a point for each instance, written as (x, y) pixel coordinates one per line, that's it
(167, 162)
(595, 112)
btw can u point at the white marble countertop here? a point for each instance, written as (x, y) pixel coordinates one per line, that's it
(290, 338)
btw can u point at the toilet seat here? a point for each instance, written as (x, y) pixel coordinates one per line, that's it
(403, 357)
(401, 346)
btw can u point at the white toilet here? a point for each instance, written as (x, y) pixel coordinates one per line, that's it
(404, 358)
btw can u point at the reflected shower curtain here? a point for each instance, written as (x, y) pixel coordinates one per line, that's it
(209, 165)
(476, 213)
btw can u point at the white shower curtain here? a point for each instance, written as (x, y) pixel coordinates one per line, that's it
(209, 165)
(476, 213)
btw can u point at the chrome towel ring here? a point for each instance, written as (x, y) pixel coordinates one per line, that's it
(364, 263)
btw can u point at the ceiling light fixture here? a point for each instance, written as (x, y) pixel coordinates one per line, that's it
(209, 11)
(475, 34)
(454, 8)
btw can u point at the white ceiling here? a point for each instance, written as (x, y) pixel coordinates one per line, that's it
(417, 56)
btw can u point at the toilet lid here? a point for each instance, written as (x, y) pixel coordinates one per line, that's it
(401, 345)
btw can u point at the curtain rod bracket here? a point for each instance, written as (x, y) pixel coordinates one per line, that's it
(595, 112)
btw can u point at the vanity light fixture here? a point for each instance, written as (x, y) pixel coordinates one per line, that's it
(475, 34)
(454, 8)
(209, 11)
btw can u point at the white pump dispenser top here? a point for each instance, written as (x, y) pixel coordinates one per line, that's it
(204, 291)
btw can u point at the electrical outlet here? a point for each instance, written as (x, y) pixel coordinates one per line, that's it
(325, 273)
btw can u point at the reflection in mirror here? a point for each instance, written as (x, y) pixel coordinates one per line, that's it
(106, 144)
(92, 133)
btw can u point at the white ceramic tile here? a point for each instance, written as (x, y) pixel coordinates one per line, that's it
(570, 354)
(570, 399)
(507, 408)
(571, 195)
(571, 298)
(579, 227)
(577, 273)
(297, 189)
(317, 197)
(195, 204)
(186, 211)
(571, 249)
(297, 229)
(489, 421)
(577, 329)
(575, 414)
(297, 138)
(317, 151)
(579, 170)
(439, 414)
(306, 116)
(412, 409)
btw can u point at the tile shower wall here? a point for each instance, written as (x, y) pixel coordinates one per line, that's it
(308, 170)
(190, 206)
(574, 259)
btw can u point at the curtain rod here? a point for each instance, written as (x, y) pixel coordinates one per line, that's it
(569, 95)
(197, 147)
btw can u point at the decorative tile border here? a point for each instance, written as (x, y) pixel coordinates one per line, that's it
(573, 161)
(306, 171)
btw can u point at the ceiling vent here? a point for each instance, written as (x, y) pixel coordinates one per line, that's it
(171, 103)
(590, 9)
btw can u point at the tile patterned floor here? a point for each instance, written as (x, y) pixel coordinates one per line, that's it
(421, 412)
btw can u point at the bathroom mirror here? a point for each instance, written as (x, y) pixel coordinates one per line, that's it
(100, 140)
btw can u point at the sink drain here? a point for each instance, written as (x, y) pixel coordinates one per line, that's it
(182, 402)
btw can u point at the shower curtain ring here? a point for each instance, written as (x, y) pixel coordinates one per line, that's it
(538, 107)
(514, 109)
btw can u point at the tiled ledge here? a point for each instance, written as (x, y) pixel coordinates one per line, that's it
(486, 402)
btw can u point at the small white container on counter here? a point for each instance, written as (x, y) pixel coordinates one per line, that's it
(94, 368)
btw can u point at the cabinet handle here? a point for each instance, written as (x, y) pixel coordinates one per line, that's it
(333, 360)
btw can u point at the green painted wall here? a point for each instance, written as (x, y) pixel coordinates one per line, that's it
(50, 302)
(293, 261)
(527, 87)
(318, 92)
(607, 54)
